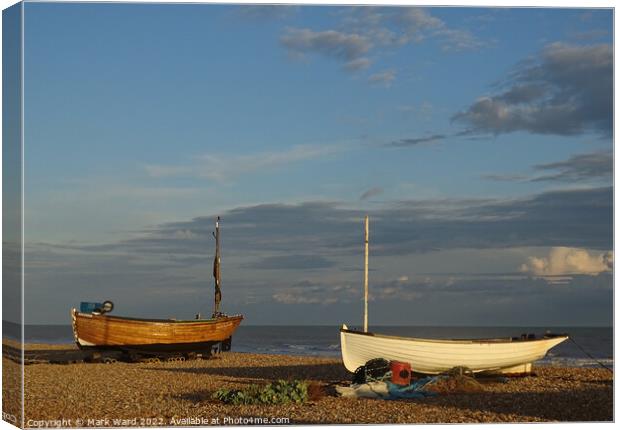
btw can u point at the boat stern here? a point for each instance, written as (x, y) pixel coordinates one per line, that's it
(74, 327)
(350, 362)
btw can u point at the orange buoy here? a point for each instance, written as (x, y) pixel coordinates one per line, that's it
(401, 373)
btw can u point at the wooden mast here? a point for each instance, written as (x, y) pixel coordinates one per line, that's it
(216, 270)
(366, 274)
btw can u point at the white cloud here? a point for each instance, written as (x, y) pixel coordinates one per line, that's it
(185, 234)
(569, 261)
(316, 294)
(399, 26)
(385, 78)
(224, 167)
(456, 40)
(158, 171)
(417, 22)
(396, 291)
(330, 43)
(294, 299)
(357, 64)
(364, 31)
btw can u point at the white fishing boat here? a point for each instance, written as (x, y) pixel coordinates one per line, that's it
(434, 356)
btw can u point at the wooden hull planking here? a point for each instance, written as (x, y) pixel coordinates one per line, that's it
(105, 331)
(433, 356)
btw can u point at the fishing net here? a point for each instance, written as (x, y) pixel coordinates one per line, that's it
(377, 369)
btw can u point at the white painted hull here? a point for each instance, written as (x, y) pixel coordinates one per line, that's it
(433, 356)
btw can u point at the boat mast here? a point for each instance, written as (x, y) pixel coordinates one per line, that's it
(216, 269)
(366, 274)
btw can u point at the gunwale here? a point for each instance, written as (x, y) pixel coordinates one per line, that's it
(455, 341)
(160, 320)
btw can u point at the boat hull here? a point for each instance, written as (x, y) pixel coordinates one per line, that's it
(434, 356)
(112, 332)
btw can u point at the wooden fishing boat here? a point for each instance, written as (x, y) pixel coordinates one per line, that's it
(434, 356)
(93, 328)
(106, 331)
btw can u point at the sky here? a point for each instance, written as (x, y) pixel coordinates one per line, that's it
(478, 141)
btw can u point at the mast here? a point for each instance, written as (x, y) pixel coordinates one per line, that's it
(366, 274)
(216, 269)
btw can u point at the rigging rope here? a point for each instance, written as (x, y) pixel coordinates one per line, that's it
(586, 353)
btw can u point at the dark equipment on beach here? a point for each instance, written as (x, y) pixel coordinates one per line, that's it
(88, 307)
(107, 306)
(95, 307)
(374, 369)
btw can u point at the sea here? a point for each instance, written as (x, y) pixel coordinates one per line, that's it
(589, 345)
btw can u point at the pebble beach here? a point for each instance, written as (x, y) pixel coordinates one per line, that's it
(179, 393)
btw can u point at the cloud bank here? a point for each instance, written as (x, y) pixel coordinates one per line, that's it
(268, 248)
(564, 90)
(579, 168)
(581, 218)
(414, 141)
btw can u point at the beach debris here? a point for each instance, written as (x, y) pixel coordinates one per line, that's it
(275, 393)
(460, 370)
(454, 384)
(381, 379)
(415, 390)
(387, 390)
(369, 390)
(316, 391)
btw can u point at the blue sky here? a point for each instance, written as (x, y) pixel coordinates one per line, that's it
(461, 131)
